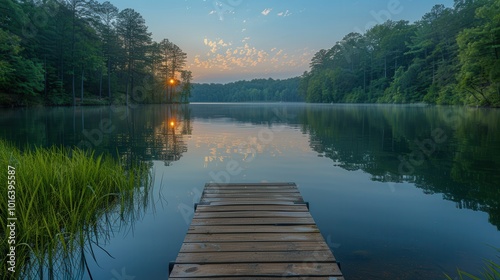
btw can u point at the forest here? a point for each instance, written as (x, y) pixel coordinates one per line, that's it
(450, 56)
(82, 52)
(256, 90)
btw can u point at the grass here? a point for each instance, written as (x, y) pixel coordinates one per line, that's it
(490, 271)
(62, 198)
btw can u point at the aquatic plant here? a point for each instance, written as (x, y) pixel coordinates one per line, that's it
(490, 271)
(62, 203)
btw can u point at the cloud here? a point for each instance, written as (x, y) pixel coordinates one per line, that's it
(266, 11)
(284, 14)
(215, 45)
(246, 58)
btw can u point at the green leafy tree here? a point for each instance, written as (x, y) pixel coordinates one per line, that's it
(434, 60)
(20, 78)
(107, 14)
(186, 77)
(134, 35)
(479, 53)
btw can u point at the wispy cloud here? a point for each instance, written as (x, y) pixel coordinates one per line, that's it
(284, 14)
(266, 11)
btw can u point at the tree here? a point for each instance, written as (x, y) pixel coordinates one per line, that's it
(20, 78)
(171, 62)
(420, 62)
(133, 32)
(479, 53)
(108, 15)
(244, 91)
(76, 46)
(186, 77)
(320, 60)
(80, 11)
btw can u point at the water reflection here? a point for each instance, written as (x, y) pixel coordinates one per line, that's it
(142, 133)
(453, 151)
(330, 149)
(449, 150)
(391, 143)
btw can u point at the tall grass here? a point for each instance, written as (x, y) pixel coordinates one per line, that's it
(490, 271)
(62, 196)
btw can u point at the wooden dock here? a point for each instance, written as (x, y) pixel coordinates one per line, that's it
(254, 231)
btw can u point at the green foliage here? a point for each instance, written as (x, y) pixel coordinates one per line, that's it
(59, 193)
(20, 78)
(64, 52)
(257, 90)
(479, 53)
(450, 56)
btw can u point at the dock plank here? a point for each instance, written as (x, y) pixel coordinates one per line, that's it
(250, 202)
(251, 214)
(256, 257)
(244, 237)
(262, 198)
(252, 246)
(253, 221)
(254, 231)
(256, 269)
(252, 207)
(252, 191)
(267, 278)
(258, 195)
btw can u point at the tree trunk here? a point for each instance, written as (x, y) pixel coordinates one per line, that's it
(109, 79)
(73, 87)
(126, 91)
(45, 78)
(81, 98)
(385, 66)
(100, 84)
(364, 79)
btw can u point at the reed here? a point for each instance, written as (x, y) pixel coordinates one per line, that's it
(490, 271)
(61, 197)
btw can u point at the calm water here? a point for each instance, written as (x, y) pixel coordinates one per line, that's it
(399, 192)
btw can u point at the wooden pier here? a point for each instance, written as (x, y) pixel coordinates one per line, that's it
(254, 231)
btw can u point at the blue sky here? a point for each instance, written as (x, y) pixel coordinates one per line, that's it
(229, 40)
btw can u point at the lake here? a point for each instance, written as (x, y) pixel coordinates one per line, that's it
(398, 192)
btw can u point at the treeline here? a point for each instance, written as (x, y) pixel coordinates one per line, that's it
(450, 56)
(256, 90)
(63, 52)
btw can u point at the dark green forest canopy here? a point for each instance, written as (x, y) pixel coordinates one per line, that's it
(71, 52)
(57, 52)
(269, 90)
(450, 56)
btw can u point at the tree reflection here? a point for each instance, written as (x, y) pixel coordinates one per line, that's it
(153, 133)
(378, 139)
(142, 133)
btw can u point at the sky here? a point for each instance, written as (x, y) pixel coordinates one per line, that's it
(230, 40)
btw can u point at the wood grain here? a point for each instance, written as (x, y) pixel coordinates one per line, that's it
(254, 231)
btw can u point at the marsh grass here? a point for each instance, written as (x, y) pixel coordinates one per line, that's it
(490, 271)
(63, 199)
